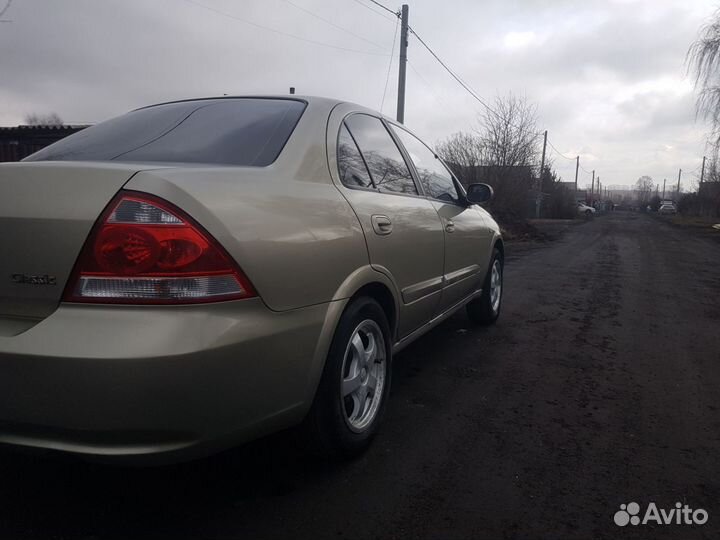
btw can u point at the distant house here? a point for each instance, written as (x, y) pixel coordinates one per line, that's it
(19, 142)
(709, 193)
(580, 194)
(493, 174)
(515, 187)
(710, 190)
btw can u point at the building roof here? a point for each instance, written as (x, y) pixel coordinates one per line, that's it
(39, 128)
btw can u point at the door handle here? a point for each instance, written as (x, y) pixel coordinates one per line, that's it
(450, 226)
(381, 224)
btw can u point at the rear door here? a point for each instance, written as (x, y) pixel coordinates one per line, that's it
(467, 235)
(403, 231)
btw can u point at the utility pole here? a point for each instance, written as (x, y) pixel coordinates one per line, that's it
(678, 188)
(592, 188)
(702, 177)
(664, 180)
(403, 63)
(577, 166)
(538, 200)
(542, 161)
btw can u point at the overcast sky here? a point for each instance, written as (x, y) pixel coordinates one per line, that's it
(608, 76)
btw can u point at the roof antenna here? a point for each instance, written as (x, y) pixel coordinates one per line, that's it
(292, 90)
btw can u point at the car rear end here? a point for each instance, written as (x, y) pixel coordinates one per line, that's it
(137, 316)
(101, 353)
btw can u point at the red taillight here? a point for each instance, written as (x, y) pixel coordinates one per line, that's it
(143, 250)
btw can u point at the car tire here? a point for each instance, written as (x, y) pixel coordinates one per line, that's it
(486, 309)
(355, 384)
(588, 214)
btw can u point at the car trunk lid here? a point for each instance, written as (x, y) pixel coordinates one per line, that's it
(46, 212)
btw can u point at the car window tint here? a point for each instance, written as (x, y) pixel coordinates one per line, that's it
(247, 132)
(434, 176)
(352, 168)
(387, 165)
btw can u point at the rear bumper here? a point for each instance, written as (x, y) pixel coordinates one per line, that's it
(157, 381)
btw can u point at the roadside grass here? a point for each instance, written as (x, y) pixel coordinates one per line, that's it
(537, 230)
(700, 226)
(693, 221)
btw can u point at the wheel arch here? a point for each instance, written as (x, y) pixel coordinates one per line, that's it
(365, 281)
(500, 245)
(382, 295)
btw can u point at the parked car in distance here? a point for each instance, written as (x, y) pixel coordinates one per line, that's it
(197, 274)
(667, 209)
(585, 210)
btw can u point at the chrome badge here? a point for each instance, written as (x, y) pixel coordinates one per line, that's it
(26, 279)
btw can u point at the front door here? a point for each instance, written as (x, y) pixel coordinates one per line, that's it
(467, 251)
(467, 236)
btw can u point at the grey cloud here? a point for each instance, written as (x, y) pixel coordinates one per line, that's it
(89, 60)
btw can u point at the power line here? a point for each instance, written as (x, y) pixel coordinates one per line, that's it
(452, 73)
(4, 10)
(456, 77)
(328, 21)
(377, 12)
(426, 83)
(585, 170)
(392, 52)
(287, 34)
(384, 7)
(7, 5)
(462, 83)
(559, 152)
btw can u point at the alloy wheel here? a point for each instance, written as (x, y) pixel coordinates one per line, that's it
(495, 285)
(363, 375)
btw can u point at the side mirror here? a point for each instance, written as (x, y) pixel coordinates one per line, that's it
(479, 193)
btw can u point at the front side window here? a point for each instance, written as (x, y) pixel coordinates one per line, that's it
(387, 166)
(351, 166)
(434, 176)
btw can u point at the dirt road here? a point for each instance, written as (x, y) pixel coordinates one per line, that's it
(599, 386)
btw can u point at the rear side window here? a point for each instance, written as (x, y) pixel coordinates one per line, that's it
(246, 132)
(434, 176)
(387, 166)
(352, 168)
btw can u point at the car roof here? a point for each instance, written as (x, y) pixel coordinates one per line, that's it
(289, 97)
(319, 101)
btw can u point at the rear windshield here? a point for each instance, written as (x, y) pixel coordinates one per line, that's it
(245, 132)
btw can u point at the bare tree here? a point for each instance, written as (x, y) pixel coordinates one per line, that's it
(463, 152)
(509, 132)
(712, 167)
(703, 61)
(502, 151)
(506, 137)
(52, 119)
(643, 189)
